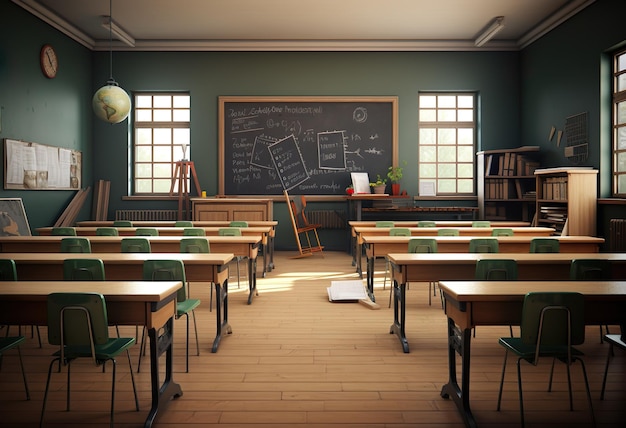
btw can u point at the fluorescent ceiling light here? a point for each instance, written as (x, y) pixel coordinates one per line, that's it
(496, 25)
(118, 32)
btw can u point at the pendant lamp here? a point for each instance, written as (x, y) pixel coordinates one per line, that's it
(111, 103)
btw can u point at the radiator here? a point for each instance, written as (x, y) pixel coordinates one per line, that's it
(617, 235)
(146, 215)
(328, 219)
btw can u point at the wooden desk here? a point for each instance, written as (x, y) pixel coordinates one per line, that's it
(440, 223)
(475, 303)
(455, 266)
(244, 246)
(129, 267)
(150, 304)
(380, 246)
(267, 233)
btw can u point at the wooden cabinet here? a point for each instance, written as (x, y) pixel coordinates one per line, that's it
(567, 200)
(506, 183)
(229, 209)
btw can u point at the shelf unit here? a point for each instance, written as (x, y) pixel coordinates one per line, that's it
(506, 183)
(567, 200)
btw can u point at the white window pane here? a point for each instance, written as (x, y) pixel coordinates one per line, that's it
(143, 115)
(465, 101)
(621, 62)
(162, 115)
(621, 138)
(143, 153)
(446, 101)
(181, 135)
(446, 136)
(427, 101)
(428, 115)
(143, 170)
(143, 136)
(446, 186)
(181, 115)
(162, 101)
(427, 136)
(428, 170)
(446, 116)
(163, 170)
(465, 153)
(428, 154)
(446, 170)
(143, 186)
(181, 101)
(162, 186)
(466, 115)
(621, 162)
(446, 154)
(621, 82)
(621, 184)
(162, 154)
(465, 170)
(163, 136)
(143, 101)
(466, 136)
(621, 113)
(466, 186)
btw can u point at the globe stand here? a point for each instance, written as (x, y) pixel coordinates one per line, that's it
(184, 171)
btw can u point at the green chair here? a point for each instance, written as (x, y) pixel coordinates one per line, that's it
(107, 231)
(8, 272)
(146, 231)
(194, 231)
(238, 223)
(14, 342)
(183, 223)
(64, 231)
(483, 245)
(122, 223)
(197, 245)
(422, 245)
(83, 270)
(135, 245)
(233, 231)
(448, 231)
(395, 231)
(496, 270)
(552, 324)
(78, 325)
(174, 270)
(505, 231)
(591, 270)
(614, 340)
(544, 245)
(481, 223)
(426, 223)
(383, 223)
(75, 245)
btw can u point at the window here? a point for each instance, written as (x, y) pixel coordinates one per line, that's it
(161, 137)
(619, 125)
(447, 135)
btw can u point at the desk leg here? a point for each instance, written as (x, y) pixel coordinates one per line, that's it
(271, 251)
(370, 278)
(252, 279)
(459, 341)
(161, 395)
(265, 262)
(399, 314)
(221, 313)
(359, 258)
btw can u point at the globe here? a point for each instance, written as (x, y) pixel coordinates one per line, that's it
(111, 103)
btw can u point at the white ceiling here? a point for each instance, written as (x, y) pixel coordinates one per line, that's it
(305, 25)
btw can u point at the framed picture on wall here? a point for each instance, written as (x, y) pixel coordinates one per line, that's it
(13, 220)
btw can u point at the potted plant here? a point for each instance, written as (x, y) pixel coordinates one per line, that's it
(394, 173)
(379, 185)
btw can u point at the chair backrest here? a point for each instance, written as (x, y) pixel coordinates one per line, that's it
(194, 245)
(505, 231)
(238, 223)
(544, 245)
(77, 319)
(136, 245)
(448, 231)
(75, 245)
(229, 231)
(83, 270)
(590, 269)
(422, 245)
(483, 245)
(399, 231)
(553, 319)
(496, 270)
(426, 223)
(383, 223)
(183, 223)
(64, 231)
(8, 271)
(194, 231)
(146, 231)
(107, 231)
(122, 223)
(167, 270)
(481, 223)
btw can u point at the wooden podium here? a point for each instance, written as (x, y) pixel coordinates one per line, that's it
(185, 170)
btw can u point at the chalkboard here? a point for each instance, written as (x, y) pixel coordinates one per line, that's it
(307, 145)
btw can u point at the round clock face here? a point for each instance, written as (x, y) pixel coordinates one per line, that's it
(49, 61)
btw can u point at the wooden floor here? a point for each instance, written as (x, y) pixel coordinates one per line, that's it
(296, 360)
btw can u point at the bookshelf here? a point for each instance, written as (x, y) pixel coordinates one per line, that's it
(567, 200)
(506, 183)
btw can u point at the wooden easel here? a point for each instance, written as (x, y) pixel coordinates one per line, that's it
(184, 170)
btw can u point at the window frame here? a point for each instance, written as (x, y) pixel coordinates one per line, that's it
(617, 97)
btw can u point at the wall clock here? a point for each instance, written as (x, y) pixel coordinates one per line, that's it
(48, 61)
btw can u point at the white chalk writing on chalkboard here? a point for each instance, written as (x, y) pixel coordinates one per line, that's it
(288, 162)
(260, 155)
(331, 150)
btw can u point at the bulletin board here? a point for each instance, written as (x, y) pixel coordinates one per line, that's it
(32, 166)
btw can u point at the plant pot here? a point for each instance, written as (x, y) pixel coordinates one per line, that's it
(379, 189)
(395, 189)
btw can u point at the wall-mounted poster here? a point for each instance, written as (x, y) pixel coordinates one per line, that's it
(13, 221)
(32, 166)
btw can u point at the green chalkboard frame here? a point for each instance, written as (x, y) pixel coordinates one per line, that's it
(225, 101)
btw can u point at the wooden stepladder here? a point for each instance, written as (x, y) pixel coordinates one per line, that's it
(185, 170)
